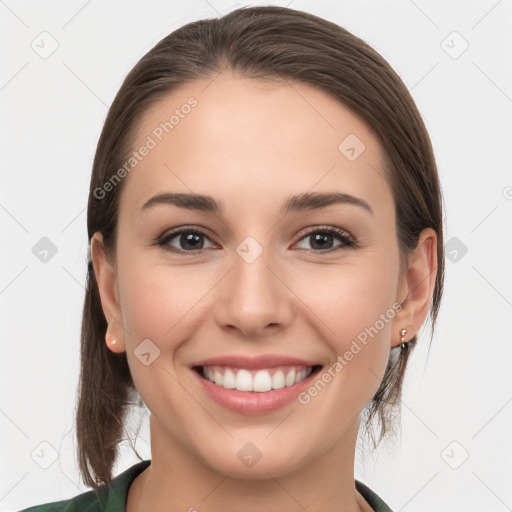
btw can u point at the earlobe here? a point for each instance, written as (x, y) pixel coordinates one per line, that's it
(106, 278)
(419, 282)
(112, 343)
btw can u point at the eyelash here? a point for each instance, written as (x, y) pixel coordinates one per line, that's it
(348, 241)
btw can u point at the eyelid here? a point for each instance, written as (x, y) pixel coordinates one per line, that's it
(168, 235)
(349, 240)
(329, 229)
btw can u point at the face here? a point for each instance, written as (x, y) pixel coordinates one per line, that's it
(251, 291)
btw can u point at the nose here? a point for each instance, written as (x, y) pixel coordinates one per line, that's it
(254, 297)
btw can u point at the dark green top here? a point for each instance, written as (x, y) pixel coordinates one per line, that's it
(112, 498)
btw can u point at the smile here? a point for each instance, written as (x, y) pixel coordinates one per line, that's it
(254, 385)
(261, 380)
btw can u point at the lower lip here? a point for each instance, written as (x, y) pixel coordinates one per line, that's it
(254, 402)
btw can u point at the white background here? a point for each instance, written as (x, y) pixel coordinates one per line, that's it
(52, 111)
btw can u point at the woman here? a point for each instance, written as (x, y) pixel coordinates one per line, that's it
(266, 240)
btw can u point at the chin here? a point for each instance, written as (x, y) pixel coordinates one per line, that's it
(248, 462)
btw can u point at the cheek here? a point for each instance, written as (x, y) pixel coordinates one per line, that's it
(356, 313)
(158, 302)
(353, 305)
(351, 298)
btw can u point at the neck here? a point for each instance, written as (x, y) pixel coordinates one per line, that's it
(176, 480)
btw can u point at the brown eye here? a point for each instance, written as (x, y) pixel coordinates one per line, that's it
(321, 240)
(187, 240)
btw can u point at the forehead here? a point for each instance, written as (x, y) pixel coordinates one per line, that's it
(253, 142)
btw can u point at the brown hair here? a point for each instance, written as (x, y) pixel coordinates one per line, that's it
(263, 43)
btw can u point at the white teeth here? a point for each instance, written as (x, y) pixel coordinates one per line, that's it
(262, 381)
(243, 381)
(300, 376)
(278, 380)
(229, 381)
(256, 380)
(290, 378)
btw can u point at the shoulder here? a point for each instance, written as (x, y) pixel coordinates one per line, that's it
(373, 499)
(107, 498)
(83, 502)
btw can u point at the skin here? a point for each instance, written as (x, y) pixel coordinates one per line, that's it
(251, 144)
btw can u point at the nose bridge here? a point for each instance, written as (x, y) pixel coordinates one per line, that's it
(252, 278)
(252, 298)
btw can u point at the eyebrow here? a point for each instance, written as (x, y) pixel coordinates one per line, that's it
(298, 203)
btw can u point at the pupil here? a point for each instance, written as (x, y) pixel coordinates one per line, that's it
(319, 237)
(191, 239)
(188, 238)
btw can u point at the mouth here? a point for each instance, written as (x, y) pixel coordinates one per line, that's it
(254, 385)
(260, 380)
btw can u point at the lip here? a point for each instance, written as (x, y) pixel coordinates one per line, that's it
(254, 402)
(259, 362)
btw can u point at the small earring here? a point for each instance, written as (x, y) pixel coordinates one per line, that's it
(403, 344)
(114, 340)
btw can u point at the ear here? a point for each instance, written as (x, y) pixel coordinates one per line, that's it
(106, 278)
(416, 287)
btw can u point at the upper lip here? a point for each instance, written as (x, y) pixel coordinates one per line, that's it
(264, 361)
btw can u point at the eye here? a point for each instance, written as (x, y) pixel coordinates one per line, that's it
(191, 241)
(322, 238)
(188, 240)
